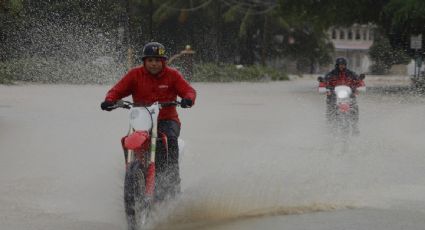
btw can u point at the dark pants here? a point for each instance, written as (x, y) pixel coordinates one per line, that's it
(167, 165)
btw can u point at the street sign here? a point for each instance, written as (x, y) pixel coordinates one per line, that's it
(416, 42)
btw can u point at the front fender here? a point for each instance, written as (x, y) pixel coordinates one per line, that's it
(135, 140)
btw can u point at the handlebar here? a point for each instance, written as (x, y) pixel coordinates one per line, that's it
(171, 103)
(360, 77)
(123, 104)
(128, 104)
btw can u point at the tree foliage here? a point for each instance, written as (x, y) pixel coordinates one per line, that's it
(406, 18)
(231, 31)
(384, 55)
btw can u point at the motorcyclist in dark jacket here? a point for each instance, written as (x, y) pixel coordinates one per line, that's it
(342, 76)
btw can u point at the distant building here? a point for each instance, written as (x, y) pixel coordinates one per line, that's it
(353, 43)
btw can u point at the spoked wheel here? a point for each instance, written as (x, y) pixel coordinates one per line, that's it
(344, 125)
(340, 127)
(134, 188)
(342, 132)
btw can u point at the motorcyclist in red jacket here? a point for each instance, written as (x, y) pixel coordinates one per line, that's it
(151, 82)
(342, 76)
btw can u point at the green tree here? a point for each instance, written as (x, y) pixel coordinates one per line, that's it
(11, 19)
(404, 18)
(309, 21)
(384, 55)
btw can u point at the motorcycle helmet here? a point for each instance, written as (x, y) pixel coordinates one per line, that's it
(340, 61)
(154, 49)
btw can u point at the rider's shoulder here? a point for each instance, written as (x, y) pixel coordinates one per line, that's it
(173, 71)
(331, 73)
(137, 69)
(351, 72)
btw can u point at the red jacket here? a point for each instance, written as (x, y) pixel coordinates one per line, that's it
(147, 89)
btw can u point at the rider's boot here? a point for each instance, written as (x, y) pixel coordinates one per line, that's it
(131, 223)
(173, 171)
(168, 173)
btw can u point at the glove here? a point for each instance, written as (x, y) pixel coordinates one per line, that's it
(107, 105)
(186, 103)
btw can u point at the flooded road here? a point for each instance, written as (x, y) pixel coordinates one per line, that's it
(257, 156)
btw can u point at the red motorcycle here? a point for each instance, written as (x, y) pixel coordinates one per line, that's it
(343, 114)
(140, 146)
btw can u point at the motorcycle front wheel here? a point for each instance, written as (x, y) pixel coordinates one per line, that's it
(344, 125)
(134, 202)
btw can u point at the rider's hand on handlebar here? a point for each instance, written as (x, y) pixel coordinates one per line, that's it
(107, 105)
(186, 103)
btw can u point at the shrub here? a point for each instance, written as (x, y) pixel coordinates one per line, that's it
(5, 74)
(88, 72)
(384, 56)
(227, 73)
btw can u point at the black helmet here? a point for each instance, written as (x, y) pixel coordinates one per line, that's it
(340, 61)
(154, 49)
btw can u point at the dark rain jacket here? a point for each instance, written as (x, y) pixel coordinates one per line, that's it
(346, 77)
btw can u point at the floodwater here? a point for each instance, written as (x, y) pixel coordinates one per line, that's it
(257, 156)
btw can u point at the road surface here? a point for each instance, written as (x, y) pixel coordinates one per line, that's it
(257, 156)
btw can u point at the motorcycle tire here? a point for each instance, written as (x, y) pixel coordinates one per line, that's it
(134, 203)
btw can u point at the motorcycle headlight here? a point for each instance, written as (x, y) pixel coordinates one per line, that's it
(342, 94)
